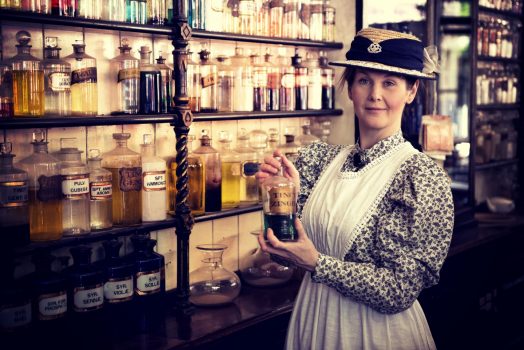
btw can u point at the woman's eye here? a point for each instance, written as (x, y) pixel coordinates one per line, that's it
(362, 81)
(389, 83)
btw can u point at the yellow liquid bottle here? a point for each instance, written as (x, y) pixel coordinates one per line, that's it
(231, 173)
(84, 89)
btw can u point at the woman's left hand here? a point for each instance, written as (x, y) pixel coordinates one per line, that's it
(301, 252)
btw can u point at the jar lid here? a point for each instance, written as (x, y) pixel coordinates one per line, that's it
(121, 135)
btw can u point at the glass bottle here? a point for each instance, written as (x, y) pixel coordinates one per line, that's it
(276, 14)
(306, 138)
(304, 18)
(84, 88)
(314, 88)
(260, 271)
(231, 14)
(28, 79)
(150, 84)
(6, 90)
(258, 141)
(249, 167)
(126, 68)
(119, 273)
(89, 9)
(154, 192)
(45, 192)
(75, 189)
(70, 8)
(11, 4)
(273, 83)
(259, 83)
(272, 141)
(213, 11)
(316, 20)
(246, 13)
(208, 71)
(291, 19)
(149, 267)
(168, 88)
(226, 74)
(243, 83)
(156, 11)
(279, 197)
(136, 11)
(14, 209)
(57, 80)
(15, 299)
(126, 171)
(230, 172)
(329, 22)
(262, 17)
(38, 6)
(287, 84)
(194, 87)
(212, 284)
(114, 10)
(213, 173)
(301, 82)
(290, 148)
(100, 192)
(328, 82)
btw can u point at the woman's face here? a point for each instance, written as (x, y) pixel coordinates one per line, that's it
(379, 99)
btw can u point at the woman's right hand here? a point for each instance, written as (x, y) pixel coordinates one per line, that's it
(270, 167)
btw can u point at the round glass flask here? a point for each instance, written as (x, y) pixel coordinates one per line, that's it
(212, 284)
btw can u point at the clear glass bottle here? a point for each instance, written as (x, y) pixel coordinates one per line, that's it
(194, 87)
(287, 84)
(154, 201)
(279, 197)
(70, 8)
(6, 90)
(246, 13)
(259, 82)
(28, 79)
(230, 172)
(89, 9)
(208, 71)
(273, 82)
(114, 10)
(316, 20)
(213, 10)
(212, 284)
(38, 6)
(304, 17)
(260, 271)
(84, 87)
(150, 84)
(45, 192)
(136, 11)
(306, 138)
(226, 75)
(168, 87)
(14, 209)
(126, 170)
(272, 141)
(75, 189)
(314, 88)
(328, 82)
(329, 22)
(290, 20)
(10, 4)
(258, 141)
(100, 192)
(231, 16)
(249, 167)
(127, 70)
(276, 14)
(262, 17)
(290, 148)
(243, 83)
(301, 82)
(156, 12)
(213, 173)
(57, 80)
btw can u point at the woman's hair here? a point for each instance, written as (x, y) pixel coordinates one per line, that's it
(349, 76)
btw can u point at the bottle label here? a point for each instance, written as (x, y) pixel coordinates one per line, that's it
(154, 181)
(128, 73)
(88, 298)
(130, 179)
(59, 82)
(281, 200)
(117, 290)
(51, 306)
(75, 185)
(288, 81)
(148, 282)
(50, 188)
(208, 80)
(235, 169)
(84, 75)
(14, 316)
(250, 168)
(13, 194)
(273, 80)
(101, 190)
(246, 7)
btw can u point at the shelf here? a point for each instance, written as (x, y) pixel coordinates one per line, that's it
(265, 115)
(498, 59)
(494, 12)
(496, 164)
(501, 106)
(126, 231)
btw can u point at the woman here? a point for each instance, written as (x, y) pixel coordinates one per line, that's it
(376, 217)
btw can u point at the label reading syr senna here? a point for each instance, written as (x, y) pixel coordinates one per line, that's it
(282, 200)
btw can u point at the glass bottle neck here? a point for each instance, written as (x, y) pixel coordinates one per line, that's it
(148, 150)
(40, 148)
(94, 163)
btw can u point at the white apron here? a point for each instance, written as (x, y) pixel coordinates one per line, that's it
(323, 318)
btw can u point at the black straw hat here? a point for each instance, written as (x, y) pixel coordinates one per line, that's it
(391, 51)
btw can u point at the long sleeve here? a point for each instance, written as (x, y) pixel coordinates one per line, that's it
(401, 249)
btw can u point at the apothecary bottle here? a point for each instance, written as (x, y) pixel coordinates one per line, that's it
(119, 274)
(290, 148)
(28, 79)
(230, 172)
(154, 201)
(243, 83)
(304, 19)
(126, 171)
(15, 299)
(290, 20)
(114, 10)
(212, 172)
(226, 76)
(136, 11)
(6, 90)
(316, 20)
(212, 11)
(279, 196)
(307, 138)
(75, 189)
(301, 82)
(197, 180)
(212, 284)
(276, 15)
(45, 192)
(84, 87)
(248, 167)
(14, 206)
(208, 71)
(100, 193)
(273, 82)
(149, 267)
(259, 82)
(168, 87)
(246, 14)
(38, 6)
(314, 87)
(329, 22)
(89, 9)
(287, 84)
(57, 80)
(156, 12)
(231, 16)
(328, 85)
(150, 83)
(262, 17)
(127, 71)
(194, 88)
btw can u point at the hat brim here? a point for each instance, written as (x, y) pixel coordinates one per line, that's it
(384, 68)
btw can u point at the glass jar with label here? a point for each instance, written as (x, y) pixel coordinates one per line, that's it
(126, 68)
(28, 79)
(84, 87)
(273, 82)
(45, 192)
(212, 173)
(14, 208)
(249, 167)
(126, 170)
(316, 20)
(168, 87)
(194, 87)
(208, 71)
(119, 272)
(287, 84)
(100, 193)
(243, 83)
(75, 189)
(314, 88)
(57, 80)
(230, 172)
(6, 90)
(301, 82)
(154, 201)
(149, 267)
(150, 83)
(259, 82)
(226, 76)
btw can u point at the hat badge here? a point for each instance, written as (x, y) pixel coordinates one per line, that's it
(374, 48)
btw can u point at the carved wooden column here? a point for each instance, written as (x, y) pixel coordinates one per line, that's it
(181, 33)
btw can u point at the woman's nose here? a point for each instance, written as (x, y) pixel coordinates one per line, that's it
(374, 93)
